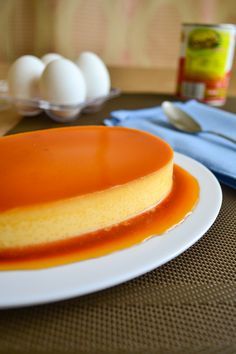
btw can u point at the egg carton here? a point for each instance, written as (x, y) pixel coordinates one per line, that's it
(58, 112)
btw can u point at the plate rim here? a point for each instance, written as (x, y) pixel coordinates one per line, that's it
(40, 277)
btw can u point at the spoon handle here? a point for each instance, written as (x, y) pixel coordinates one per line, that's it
(221, 135)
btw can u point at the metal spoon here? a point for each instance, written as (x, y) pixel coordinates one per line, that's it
(184, 122)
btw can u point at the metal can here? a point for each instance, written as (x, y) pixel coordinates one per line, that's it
(205, 63)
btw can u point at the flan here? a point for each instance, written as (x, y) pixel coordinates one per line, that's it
(62, 183)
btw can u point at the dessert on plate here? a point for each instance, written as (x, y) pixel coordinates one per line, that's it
(61, 183)
(69, 185)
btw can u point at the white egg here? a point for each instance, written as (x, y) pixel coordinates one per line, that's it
(47, 58)
(95, 73)
(62, 83)
(23, 77)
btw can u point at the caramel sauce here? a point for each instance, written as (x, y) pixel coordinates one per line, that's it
(170, 212)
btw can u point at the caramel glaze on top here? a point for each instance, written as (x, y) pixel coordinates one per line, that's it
(49, 165)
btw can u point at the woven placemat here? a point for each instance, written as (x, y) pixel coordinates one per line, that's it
(185, 306)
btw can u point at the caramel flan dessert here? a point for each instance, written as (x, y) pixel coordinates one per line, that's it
(60, 184)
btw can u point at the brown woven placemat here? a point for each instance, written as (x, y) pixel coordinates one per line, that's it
(185, 306)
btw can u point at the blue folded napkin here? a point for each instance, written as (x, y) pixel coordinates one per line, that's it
(218, 154)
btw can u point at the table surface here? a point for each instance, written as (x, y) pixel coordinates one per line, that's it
(185, 306)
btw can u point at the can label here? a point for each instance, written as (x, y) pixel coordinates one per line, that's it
(205, 62)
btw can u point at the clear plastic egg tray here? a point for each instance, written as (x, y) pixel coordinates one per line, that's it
(59, 113)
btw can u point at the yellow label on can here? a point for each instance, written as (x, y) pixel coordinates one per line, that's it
(207, 53)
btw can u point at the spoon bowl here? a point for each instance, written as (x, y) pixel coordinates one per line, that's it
(180, 119)
(184, 122)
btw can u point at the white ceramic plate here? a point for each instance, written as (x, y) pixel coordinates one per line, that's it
(21, 288)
